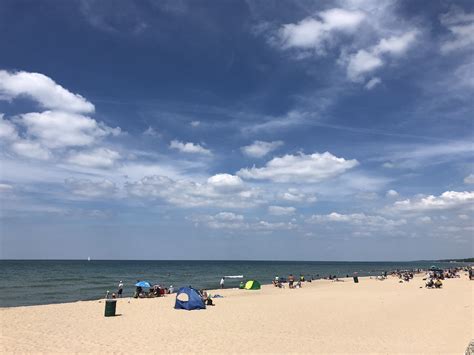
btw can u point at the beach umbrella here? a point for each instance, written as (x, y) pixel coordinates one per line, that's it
(144, 284)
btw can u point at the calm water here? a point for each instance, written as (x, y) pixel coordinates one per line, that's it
(29, 282)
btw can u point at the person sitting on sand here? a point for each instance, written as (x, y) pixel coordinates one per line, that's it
(429, 283)
(438, 283)
(301, 277)
(208, 301)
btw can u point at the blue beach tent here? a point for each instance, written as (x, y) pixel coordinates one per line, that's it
(188, 298)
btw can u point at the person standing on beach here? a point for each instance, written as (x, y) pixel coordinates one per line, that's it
(291, 280)
(222, 282)
(120, 289)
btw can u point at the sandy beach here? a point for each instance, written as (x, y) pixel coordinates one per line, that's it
(322, 317)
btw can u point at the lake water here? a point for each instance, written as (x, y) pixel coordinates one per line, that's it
(30, 282)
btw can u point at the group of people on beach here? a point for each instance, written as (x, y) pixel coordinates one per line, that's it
(279, 281)
(154, 291)
(433, 277)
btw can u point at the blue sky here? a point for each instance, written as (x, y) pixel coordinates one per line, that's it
(302, 130)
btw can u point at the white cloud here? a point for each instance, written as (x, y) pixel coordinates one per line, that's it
(368, 60)
(189, 148)
(359, 219)
(391, 193)
(461, 27)
(43, 90)
(55, 129)
(96, 158)
(232, 221)
(292, 118)
(218, 192)
(373, 83)
(447, 200)
(281, 211)
(294, 195)
(221, 220)
(300, 168)
(91, 189)
(30, 149)
(396, 45)
(195, 123)
(469, 179)
(8, 130)
(361, 63)
(317, 33)
(225, 181)
(259, 149)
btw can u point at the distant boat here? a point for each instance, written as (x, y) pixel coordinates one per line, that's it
(88, 258)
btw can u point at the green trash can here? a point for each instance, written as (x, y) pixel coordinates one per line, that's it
(356, 279)
(110, 308)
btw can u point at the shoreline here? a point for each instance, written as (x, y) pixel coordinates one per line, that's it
(322, 316)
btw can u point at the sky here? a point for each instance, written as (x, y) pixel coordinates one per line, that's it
(264, 130)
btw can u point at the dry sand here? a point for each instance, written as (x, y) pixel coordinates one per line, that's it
(322, 317)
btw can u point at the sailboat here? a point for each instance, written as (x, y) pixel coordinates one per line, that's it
(88, 258)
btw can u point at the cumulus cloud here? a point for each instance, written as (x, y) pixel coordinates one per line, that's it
(218, 191)
(469, 179)
(259, 149)
(30, 149)
(48, 134)
(281, 211)
(8, 130)
(55, 129)
(460, 24)
(391, 193)
(43, 90)
(319, 31)
(91, 189)
(300, 168)
(96, 158)
(189, 148)
(225, 181)
(368, 60)
(294, 195)
(447, 200)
